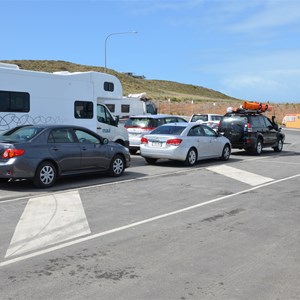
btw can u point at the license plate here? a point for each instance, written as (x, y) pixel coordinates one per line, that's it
(134, 134)
(156, 144)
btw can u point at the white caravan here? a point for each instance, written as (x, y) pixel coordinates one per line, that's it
(134, 104)
(30, 97)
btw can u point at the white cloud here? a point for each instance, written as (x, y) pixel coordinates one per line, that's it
(270, 14)
(156, 6)
(262, 76)
(271, 86)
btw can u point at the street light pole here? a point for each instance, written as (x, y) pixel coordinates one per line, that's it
(114, 33)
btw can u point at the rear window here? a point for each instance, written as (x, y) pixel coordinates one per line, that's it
(233, 122)
(139, 122)
(203, 118)
(21, 134)
(172, 130)
(216, 118)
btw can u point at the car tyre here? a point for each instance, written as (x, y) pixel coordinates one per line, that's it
(258, 147)
(191, 157)
(150, 160)
(45, 175)
(279, 146)
(117, 166)
(132, 151)
(226, 152)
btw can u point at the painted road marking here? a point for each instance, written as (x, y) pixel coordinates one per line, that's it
(145, 221)
(49, 220)
(240, 175)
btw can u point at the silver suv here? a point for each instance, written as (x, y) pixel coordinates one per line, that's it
(137, 126)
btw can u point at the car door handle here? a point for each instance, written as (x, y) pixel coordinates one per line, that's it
(54, 148)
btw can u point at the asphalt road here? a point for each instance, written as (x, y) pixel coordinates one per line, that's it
(215, 231)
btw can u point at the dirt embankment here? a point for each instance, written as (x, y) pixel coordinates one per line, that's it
(219, 107)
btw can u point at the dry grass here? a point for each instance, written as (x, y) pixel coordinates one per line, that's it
(185, 99)
(155, 89)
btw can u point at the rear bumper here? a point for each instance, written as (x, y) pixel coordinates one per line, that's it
(11, 169)
(173, 153)
(134, 143)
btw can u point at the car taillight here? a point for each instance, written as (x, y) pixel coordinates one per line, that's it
(174, 142)
(249, 128)
(10, 153)
(144, 140)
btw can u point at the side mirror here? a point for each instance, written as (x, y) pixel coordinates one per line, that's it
(275, 126)
(105, 141)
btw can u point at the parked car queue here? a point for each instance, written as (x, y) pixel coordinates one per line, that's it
(44, 153)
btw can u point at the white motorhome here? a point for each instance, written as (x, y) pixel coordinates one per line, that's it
(31, 97)
(134, 104)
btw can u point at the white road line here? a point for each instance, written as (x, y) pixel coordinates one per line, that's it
(146, 177)
(281, 162)
(240, 175)
(49, 220)
(94, 236)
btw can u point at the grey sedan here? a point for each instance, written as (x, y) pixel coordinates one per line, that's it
(42, 153)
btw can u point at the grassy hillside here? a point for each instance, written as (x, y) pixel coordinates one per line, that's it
(155, 89)
(185, 99)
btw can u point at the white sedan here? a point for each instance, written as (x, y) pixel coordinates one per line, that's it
(188, 142)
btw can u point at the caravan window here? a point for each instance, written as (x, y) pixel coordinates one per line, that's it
(83, 110)
(125, 108)
(111, 107)
(109, 86)
(14, 101)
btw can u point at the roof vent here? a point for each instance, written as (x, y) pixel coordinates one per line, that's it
(62, 72)
(9, 66)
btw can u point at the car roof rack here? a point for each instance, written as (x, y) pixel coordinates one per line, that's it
(244, 111)
(250, 107)
(249, 111)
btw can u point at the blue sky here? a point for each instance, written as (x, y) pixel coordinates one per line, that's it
(245, 49)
